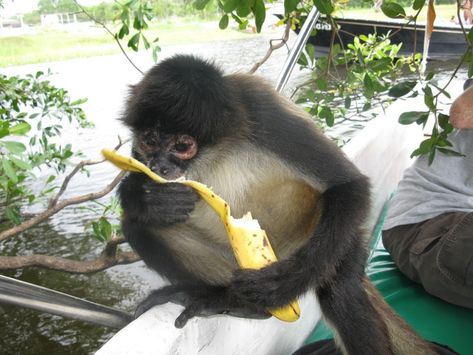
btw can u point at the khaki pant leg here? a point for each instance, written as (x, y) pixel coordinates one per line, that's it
(437, 253)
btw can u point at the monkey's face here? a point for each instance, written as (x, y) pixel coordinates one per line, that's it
(167, 154)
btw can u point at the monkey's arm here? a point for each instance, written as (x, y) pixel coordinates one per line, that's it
(145, 201)
(336, 241)
(147, 206)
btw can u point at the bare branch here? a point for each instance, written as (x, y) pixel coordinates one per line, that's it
(78, 168)
(300, 86)
(103, 262)
(59, 206)
(68, 178)
(272, 47)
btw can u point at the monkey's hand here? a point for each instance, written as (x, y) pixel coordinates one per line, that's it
(273, 286)
(200, 301)
(169, 203)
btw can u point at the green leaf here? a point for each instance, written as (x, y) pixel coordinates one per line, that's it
(310, 95)
(328, 115)
(432, 156)
(424, 148)
(134, 41)
(324, 6)
(105, 228)
(51, 178)
(200, 4)
(14, 147)
(223, 24)
(412, 116)
(97, 232)
(243, 9)
(418, 4)
(290, 5)
(124, 16)
(145, 43)
(393, 10)
(155, 53)
(450, 152)
(13, 214)
(138, 22)
(401, 89)
(79, 102)
(470, 69)
(20, 128)
(124, 31)
(230, 5)
(369, 85)
(443, 120)
(310, 50)
(259, 11)
(321, 84)
(347, 102)
(237, 19)
(9, 170)
(23, 165)
(429, 98)
(303, 60)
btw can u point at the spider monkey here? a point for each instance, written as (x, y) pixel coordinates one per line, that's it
(262, 154)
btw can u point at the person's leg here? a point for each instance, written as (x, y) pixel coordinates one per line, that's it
(437, 253)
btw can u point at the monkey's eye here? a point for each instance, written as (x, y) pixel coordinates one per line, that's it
(181, 147)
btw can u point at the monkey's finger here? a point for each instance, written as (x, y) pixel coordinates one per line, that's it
(203, 308)
(162, 296)
(190, 312)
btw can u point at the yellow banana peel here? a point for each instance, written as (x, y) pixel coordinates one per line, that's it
(249, 242)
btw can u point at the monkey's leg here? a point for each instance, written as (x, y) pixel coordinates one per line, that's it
(202, 301)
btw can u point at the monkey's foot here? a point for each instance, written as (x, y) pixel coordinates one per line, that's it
(200, 302)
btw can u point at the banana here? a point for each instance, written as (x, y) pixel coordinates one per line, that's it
(249, 242)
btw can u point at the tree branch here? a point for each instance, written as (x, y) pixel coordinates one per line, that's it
(272, 47)
(59, 206)
(78, 168)
(103, 262)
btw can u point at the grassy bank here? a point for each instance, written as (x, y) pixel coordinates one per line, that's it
(84, 41)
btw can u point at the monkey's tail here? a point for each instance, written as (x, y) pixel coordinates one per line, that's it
(403, 338)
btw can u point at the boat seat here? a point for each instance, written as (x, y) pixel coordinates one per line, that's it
(432, 318)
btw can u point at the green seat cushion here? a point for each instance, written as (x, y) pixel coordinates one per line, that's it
(434, 319)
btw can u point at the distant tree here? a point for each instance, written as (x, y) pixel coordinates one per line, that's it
(103, 12)
(32, 18)
(56, 6)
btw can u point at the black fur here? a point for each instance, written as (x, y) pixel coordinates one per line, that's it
(188, 95)
(203, 108)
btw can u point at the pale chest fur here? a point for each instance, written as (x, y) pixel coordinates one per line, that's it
(285, 206)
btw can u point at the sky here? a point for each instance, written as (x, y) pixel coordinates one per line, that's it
(12, 7)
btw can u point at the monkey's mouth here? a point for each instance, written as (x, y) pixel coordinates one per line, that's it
(169, 174)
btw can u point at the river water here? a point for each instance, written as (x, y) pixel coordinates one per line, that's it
(104, 81)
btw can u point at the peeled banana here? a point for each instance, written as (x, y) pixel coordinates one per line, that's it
(249, 242)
